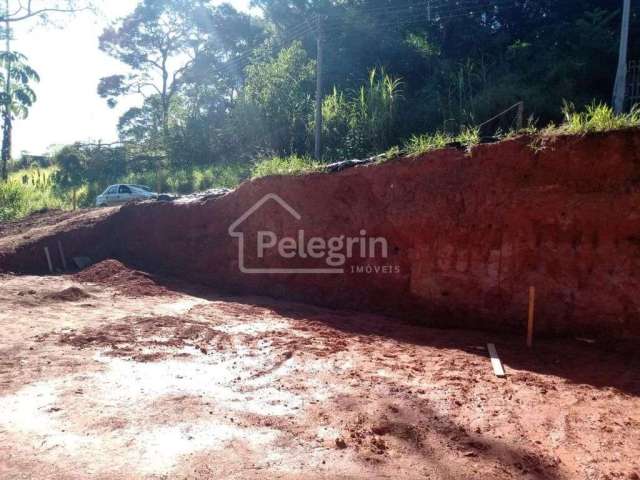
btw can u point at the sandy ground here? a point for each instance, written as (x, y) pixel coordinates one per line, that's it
(102, 381)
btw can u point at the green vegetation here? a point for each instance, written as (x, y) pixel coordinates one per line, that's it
(361, 123)
(70, 176)
(16, 98)
(292, 165)
(79, 173)
(28, 191)
(597, 117)
(219, 88)
(420, 144)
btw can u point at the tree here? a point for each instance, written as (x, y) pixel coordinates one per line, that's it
(248, 81)
(72, 169)
(276, 104)
(29, 9)
(16, 99)
(154, 42)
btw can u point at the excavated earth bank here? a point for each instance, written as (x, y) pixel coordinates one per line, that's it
(467, 233)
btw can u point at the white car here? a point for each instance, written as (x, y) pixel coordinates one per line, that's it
(123, 193)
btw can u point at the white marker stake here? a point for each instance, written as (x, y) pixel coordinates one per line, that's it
(495, 361)
(46, 252)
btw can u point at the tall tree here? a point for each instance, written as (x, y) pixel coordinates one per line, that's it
(16, 98)
(159, 41)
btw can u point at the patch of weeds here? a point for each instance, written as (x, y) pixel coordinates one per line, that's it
(419, 144)
(292, 165)
(391, 154)
(530, 129)
(597, 117)
(469, 136)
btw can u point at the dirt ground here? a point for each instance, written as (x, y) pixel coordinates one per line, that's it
(112, 374)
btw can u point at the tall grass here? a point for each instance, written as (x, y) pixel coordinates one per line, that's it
(359, 123)
(293, 165)
(27, 191)
(420, 144)
(597, 117)
(469, 136)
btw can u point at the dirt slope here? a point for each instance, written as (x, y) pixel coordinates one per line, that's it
(467, 234)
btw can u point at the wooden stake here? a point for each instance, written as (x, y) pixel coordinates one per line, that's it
(64, 260)
(46, 252)
(495, 361)
(532, 304)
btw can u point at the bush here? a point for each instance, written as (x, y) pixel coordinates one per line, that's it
(12, 201)
(293, 165)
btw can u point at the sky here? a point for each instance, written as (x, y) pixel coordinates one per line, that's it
(70, 65)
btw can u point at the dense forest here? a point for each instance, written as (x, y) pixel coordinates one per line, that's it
(221, 90)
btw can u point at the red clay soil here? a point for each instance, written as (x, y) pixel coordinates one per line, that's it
(468, 233)
(113, 273)
(38, 219)
(120, 388)
(79, 233)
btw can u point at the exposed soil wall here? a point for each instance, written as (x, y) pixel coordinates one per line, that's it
(467, 235)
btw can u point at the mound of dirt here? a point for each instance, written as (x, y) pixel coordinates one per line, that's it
(72, 294)
(130, 282)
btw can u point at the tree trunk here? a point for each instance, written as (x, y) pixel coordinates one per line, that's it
(164, 98)
(7, 127)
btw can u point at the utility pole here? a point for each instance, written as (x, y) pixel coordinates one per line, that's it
(318, 121)
(620, 87)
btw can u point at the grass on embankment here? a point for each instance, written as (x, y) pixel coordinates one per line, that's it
(596, 118)
(293, 165)
(419, 144)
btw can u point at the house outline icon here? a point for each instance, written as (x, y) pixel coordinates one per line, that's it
(233, 232)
